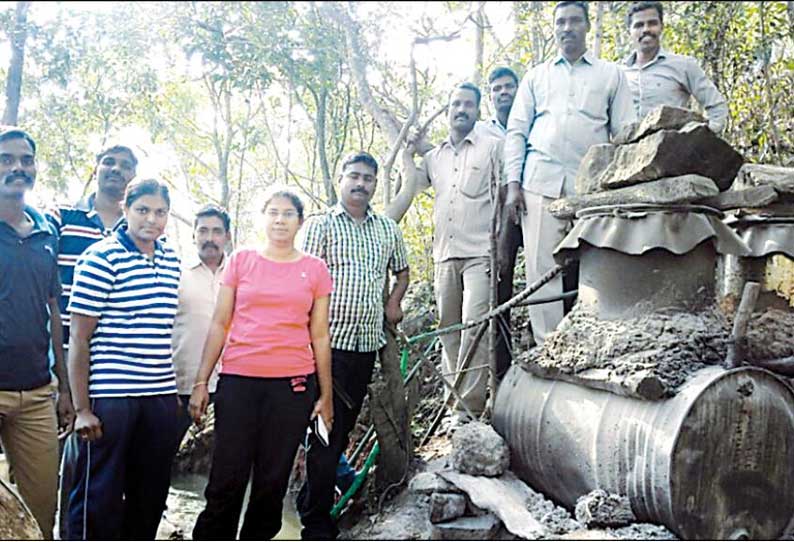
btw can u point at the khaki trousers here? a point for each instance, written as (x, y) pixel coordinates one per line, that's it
(542, 233)
(462, 292)
(29, 434)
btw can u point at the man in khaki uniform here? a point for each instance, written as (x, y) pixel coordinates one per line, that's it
(460, 170)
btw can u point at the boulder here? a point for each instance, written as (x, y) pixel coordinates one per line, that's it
(16, 520)
(479, 450)
(664, 117)
(670, 153)
(427, 483)
(779, 178)
(672, 190)
(757, 196)
(446, 506)
(467, 528)
(595, 161)
(601, 509)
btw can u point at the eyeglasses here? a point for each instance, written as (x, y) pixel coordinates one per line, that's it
(287, 215)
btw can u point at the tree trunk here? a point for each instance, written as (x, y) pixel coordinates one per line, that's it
(14, 80)
(790, 8)
(328, 185)
(479, 35)
(598, 29)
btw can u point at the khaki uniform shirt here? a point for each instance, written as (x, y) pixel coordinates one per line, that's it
(198, 292)
(463, 203)
(671, 79)
(560, 110)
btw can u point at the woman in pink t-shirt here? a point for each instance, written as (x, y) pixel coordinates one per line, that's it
(270, 331)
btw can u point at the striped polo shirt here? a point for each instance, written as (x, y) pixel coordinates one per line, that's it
(78, 228)
(358, 256)
(135, 300)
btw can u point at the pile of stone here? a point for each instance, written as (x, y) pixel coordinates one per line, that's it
(478, 498)
(669, 158)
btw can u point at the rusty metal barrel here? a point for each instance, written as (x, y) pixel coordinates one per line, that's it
(712, 462)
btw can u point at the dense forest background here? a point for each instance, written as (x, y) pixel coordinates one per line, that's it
(223, 99)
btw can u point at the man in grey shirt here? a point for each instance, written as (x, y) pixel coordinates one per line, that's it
(658, 77)
(563, 106)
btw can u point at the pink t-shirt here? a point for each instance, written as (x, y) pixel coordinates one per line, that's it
(269, 334)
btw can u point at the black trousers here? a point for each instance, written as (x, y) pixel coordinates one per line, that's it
(352, 374)
(122, 479)
(509, 241)
(259, 423)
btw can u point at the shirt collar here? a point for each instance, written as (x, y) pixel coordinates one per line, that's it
(587, 58)
(472, 137)
(127, 242)
(193, 261)
(339, 209)
(495, 122)
(632, 58)
(87, 205)
(39, 222)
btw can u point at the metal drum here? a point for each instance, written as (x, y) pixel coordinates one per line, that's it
(713, 462)
(617, 285)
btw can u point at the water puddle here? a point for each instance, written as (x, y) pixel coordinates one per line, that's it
(186, 501)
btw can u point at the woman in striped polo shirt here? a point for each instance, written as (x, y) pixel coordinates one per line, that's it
(123, 304)
(270, 329)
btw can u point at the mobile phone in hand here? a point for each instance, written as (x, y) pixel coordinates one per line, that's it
(320, 429)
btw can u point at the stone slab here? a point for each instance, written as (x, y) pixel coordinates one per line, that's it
(753, 197)
(446, 506)
(593, 164)
(467, 528)
(506, 496)
(780, 178)
(670, 153)
(669, 191)
(664, 117)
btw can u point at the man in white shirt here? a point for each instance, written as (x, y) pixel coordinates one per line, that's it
(658, 77)
(563, 106)
(198, 290)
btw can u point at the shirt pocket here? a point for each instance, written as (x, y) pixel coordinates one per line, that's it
(593, 102)
(474, 183)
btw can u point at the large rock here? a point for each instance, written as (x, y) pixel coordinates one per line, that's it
(16, 520)
(601, 509)
(594, 163)
(669, 153)
(479, 450)
(673, 190)
(754, 197)
(780, 178)
(446, 506)
(467, 528)
(664, 117)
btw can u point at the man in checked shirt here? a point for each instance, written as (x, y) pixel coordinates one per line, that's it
(359, 246)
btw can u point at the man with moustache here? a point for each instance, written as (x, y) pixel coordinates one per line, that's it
(198, 290)
(659, 77)
(461, 170)
(29, 290)
(563, 106)
(503, 84)
(359, 246)
(79, 227)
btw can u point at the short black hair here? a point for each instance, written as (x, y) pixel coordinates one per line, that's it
(636, 7)
(12, 132)
(146, 187)
(360, 156)
(472, 87)
(502, 71)
(281, 191)
(213, 210)
(578, 3)
(118, 148)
